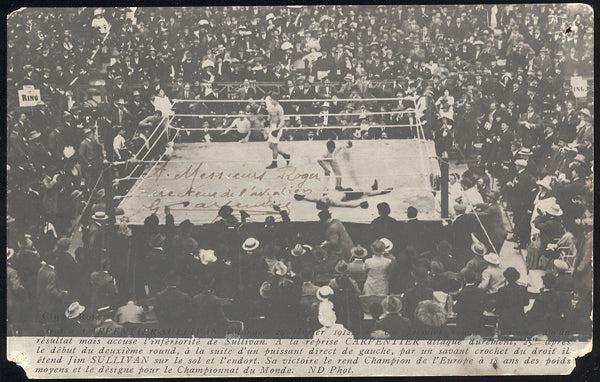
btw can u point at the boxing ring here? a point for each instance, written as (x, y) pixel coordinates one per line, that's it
(196, 179)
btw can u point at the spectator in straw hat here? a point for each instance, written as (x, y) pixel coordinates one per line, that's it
(393, 323)
(356, 267)
(75, 323)
(301, 258)
(550, 226)
(491, 277)
(327, 317)
(477, 263)
(250, 271)
(520, 194)
(343, 278)
(510, 301)
(378, 270)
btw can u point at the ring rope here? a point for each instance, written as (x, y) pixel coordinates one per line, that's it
(257, 161)
(364, 127)
(153, 145)
(137, 185)
(260, 100)
(407, 111)
(151, 135)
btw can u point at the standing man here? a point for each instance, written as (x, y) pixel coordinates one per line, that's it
(490, 215)
(276, 124)
(330, 164)
(337, 241)
(90, 155)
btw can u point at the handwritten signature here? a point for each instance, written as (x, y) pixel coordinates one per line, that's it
(194, 172)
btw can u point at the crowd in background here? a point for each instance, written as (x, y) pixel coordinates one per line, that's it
(489, 80)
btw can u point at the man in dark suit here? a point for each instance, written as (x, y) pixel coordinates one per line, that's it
(172, 305)
(466, 130)
(529, 122)
(337, 240)
(103, 291)
(137, 108)
(246, 92)
(460, 234)
(419, 292)
(520, 195)
(119, 90)
(55, 143)
(90, 155)
(510, 301)
(120, 115)
(186, 92)
(546, 316)
(470, 302)
(564, 281)
(393, 323)
(490, 215)
(384, 225)
(68, 270)
(50, 299)
(414, 231)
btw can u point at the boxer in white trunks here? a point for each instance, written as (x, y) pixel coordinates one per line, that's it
(276, 126)
(349, 198)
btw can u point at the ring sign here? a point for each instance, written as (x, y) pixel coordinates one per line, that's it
(579, 86)
(29, 96)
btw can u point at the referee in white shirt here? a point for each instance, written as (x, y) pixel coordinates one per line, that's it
(242, 127)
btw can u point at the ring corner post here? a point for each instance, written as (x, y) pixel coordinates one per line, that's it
(444, 184)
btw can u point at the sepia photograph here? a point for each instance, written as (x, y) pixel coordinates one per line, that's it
(330, 175)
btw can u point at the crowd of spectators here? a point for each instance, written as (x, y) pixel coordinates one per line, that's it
(487, 79)
(276, 280)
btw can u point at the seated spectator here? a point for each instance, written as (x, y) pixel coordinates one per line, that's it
(417, 293)
(491, 277)
(341, 268)
(392, 322)
(430, 321)
(130, 313)
(470, 302)
(328, 318)
(172, 306)
(564, 281)
(548, 311)
(347, 306)
(510, 301)
(443, 256)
